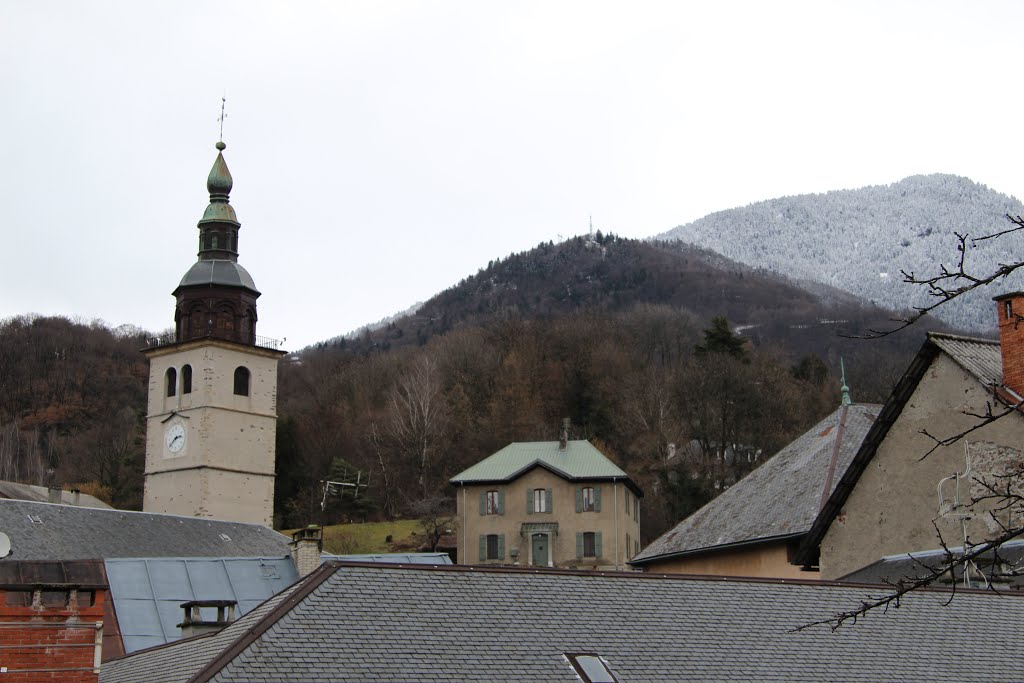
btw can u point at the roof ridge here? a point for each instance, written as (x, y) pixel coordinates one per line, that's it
(962, 337)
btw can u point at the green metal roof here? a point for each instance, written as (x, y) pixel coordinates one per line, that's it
(579, 460)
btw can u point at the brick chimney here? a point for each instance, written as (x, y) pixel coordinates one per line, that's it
(306, 547)
(194, 625)
(1010, 316)
(563, 438)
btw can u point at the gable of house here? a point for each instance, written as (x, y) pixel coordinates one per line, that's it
(888, 499)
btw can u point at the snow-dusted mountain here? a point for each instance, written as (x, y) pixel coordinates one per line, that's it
(859, 240)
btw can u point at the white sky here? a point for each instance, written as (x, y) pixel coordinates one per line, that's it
(382, 151)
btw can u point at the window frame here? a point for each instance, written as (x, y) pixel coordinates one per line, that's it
(540, 500)
(242, 372)
(588, 499)
(492, 547)
(493, 503)
(589, 538)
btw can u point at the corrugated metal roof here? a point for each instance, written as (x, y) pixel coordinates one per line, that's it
(780, 498)
(148, 593)
(579, 460)
(980, 357)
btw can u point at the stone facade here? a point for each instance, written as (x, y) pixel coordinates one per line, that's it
(222, 464)
(520, 533)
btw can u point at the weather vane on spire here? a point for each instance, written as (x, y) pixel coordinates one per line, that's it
(223, 102)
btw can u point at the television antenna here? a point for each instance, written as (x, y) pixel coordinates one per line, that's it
(955, 509)
(340, 488)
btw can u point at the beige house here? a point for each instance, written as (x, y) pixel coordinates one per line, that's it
(549, 504)
(893, 499)
(755, 527)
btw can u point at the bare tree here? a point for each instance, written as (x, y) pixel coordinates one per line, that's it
(417, 418)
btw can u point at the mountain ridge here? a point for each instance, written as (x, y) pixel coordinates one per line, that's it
(859, 240)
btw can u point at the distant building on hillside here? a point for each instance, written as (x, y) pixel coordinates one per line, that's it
(548, 504)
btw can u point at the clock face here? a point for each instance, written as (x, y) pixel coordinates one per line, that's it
(174, 438)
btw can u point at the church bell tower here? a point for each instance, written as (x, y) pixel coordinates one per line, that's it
(212, 415)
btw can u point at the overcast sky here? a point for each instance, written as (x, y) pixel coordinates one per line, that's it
(382, 151)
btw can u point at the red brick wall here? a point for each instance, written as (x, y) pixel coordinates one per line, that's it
(51, 639)
(1011, 338)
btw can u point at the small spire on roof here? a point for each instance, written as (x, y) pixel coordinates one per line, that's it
(845, 389)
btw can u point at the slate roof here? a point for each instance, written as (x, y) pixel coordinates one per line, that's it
(981, 358)
(579, 460)
(350, 622)
(148, 592)
(395, 558)
(40, 494)
(44, 531)
(780, 499)
(217, 272)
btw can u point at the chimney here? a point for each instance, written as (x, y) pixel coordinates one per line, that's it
(563, 438)
(76, 497)
(53, 494)
(193, 625)
(1010, 317)
(306, 547)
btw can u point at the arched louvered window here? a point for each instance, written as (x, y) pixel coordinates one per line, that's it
(241, 381)
(171, 381)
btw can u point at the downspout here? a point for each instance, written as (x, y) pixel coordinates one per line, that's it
(465, 548)
(615, 493)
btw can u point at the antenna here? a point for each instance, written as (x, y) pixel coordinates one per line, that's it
(223, 115)
(955, 509)
(338, 488)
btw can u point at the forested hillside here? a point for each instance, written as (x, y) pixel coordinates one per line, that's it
(636, 342)
(860, 240)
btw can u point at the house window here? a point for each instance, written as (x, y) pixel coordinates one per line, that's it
(493, 503)
(588, 499)
(171, 380)
(1008, 308)
(241, 381)
(186, 379)
(588, 544)
(492, 547)
(636, 509)
(540, 500)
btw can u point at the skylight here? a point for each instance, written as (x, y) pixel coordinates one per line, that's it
(591, 668)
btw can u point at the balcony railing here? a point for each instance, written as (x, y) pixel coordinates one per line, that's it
(168, 339)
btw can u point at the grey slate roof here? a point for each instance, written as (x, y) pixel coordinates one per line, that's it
(779, 499)
(44, 531)
(148, 593)
(394, 558)
(40, 494)
(579, 460)
(350, 622)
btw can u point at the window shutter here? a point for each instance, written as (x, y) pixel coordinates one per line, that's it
(529, 501)
(483, 548)
(579, 499)
(501, 502)
(597, 499)
(501, 546)
(550, 501)
(579, 543)
(483, 503)
(597, 544)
